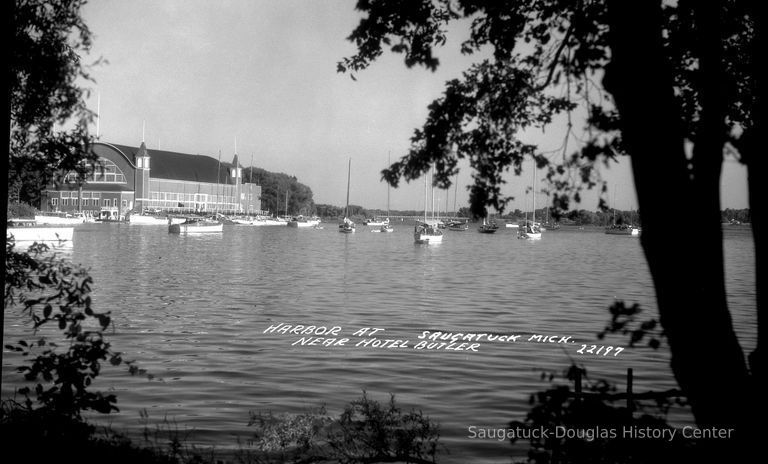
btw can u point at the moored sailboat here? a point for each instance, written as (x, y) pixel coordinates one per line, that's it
(347, 226)
(425, 232)
(488, 227)
(531, 230)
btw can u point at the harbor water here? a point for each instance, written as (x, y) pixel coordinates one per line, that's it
(203, 313)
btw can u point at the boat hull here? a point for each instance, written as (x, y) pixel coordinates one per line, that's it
(425, 239)
(426, 234)
(40, 234)
(144, 220)
(59, 220)
(530, 236)
(305, 223)
(184, 229)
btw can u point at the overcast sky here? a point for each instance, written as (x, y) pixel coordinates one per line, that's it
(203, 75)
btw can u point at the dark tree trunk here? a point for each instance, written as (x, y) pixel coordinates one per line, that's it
(753, 155)
(687, 271)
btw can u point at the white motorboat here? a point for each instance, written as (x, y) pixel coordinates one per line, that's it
(154, 220)
(377, 222)
(196, 226)
(28, 230)
(301, 221)
(59, 218)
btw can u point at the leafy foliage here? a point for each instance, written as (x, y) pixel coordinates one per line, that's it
(49, 119)
(21, 210)
(547, 60)
(591, 416)
(624, 321)
(366, 432)
(51, 291)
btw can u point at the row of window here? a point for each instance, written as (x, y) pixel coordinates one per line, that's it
(88, 202)
(106, 171)
(192, 197)
(165, 204)
(71, 194)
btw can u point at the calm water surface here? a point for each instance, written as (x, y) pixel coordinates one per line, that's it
(193, 310)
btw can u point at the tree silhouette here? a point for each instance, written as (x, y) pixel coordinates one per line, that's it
(673, 85)
(44, 105)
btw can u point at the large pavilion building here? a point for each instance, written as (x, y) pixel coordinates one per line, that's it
(137, 179)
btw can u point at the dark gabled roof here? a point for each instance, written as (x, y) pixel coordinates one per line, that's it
(181, 166)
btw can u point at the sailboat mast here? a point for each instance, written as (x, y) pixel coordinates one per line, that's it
(431, 175)
(533, 183)
(349, 171)
(455, 191)
(425, 198)
(388, 155)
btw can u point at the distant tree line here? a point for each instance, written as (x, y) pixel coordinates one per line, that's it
(281, 192)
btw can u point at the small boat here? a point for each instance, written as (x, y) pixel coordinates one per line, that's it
(531, 231)
(59, 218)
(28, 230)
(426, 233)
(376, 222)
(458, 226)
(251, 221)
(512, 225)
(621, 228)
(385, 228)
(347, 226)
(196, 226)
(384, 225)
(488, 227)
(153, 219)
(301, 221)
(276, 221)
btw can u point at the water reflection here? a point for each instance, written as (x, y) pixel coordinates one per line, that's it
(193, 310)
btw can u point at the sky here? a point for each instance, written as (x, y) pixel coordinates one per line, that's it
(258, 77)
